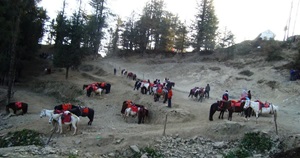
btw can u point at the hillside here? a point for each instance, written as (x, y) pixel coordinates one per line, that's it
(109, 133)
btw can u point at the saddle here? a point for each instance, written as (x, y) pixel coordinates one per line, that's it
(66, 106)
(18, 105)
(134, 108)
(66, 117)
(262, 105)
(85, 110)
(235, 103)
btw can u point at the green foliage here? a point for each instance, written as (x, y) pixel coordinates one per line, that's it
(250, 143)
(205, 26)
(256, 141)
(273, 50)
(246, 73)
(21, 138)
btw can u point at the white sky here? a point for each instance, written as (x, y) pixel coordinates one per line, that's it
(245, 18)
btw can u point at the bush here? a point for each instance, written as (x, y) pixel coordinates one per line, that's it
(273, 50)
(256, 141)
(253, 142)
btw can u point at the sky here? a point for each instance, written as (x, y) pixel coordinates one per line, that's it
(246, 19)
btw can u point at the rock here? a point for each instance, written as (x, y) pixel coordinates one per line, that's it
(135, 148)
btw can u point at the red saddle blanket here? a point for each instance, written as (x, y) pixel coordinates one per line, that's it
(18, 105)
(85, 110)
(236, 103)
(263, 105)
(66, 117)
(134, 108)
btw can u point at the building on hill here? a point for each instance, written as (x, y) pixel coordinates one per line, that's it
(266, 35)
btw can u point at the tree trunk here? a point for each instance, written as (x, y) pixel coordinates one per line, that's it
(67, 72)
(12, 65)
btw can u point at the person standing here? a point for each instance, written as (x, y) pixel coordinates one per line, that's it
(207, 89)
(170, 94)
(249, 94)
(115, 71)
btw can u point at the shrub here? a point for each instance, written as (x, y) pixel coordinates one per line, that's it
(256, 141)
(252, 142)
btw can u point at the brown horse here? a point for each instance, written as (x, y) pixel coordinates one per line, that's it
(221, 106)
(16, 106)
(127, 111)
(236, 106)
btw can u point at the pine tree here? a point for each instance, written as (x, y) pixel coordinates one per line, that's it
(205, 26)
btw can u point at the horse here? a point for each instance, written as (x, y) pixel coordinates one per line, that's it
(93, 88)
(16, 106)
(49, 113)
(131, 109)
(105, 86)
(129, 75)
(260, 108)
(84, 112)
(78, 111)
(142, 113)
(221, 106)
(236, 106)
(201, 94)
(69, 119)
(194, 92)
(159, 91)
(137, 84)
(134, 77)
(145, 86)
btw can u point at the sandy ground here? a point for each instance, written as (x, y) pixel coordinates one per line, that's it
(187, 117)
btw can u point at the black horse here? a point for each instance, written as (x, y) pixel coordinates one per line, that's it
(105, 86)
(15, 106)
(78, 111)
(137, 85)
(142, 113)
(219, 106)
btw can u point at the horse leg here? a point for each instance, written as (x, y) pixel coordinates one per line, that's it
(74, 126)
(211, 113)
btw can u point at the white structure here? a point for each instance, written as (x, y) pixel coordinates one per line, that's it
(267, 35)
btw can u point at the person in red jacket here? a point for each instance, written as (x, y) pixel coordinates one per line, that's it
(170, 94)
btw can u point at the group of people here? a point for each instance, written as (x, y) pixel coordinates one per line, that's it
(244, 96)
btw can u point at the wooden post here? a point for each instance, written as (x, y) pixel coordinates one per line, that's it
(275, 118)
(165, 125)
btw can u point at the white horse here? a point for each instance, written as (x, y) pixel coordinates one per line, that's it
(145, 87)
(53, 118)
(48, 113)
(74, 121)
(272, 109)
(98, 91)
(130, 112)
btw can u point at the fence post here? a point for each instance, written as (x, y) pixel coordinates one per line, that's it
(164, 133)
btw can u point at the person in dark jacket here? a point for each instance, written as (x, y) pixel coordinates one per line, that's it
(207, 89)
(225, 96)
(249, 94)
